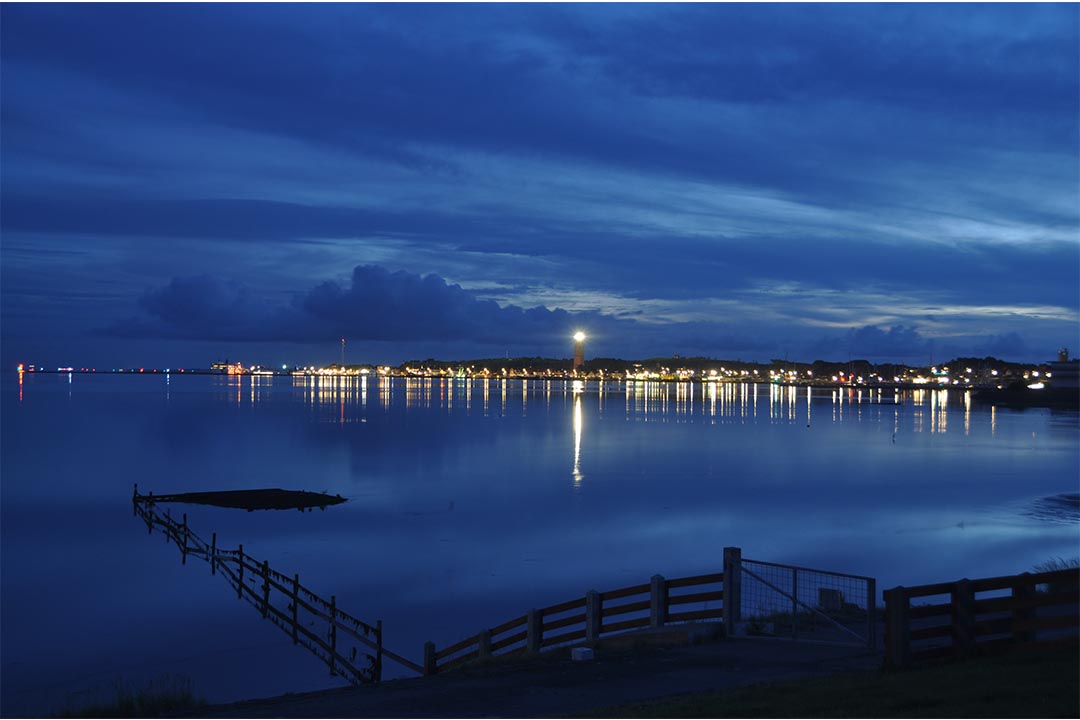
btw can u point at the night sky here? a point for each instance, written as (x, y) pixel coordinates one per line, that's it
(188, 183)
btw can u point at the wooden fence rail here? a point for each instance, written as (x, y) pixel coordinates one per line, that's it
(281, 599)
(1030, 608)
(587, 618)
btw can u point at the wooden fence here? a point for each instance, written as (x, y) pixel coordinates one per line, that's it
(656, 603)
(970, 617)
(283, 600)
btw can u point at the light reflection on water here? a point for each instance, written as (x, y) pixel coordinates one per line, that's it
(472, 500)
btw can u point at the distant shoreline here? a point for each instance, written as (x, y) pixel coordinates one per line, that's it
(983, 393)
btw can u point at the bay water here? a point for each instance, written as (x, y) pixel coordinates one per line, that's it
(470, 501)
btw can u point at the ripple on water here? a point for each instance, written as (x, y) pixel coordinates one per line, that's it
(1063, 508)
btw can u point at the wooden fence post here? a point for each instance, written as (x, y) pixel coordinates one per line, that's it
(295, 607)
(593, 616)
(333, 632)
(429, 658)
(183, 550)
(484, 641)
(657, 601)
(266, 587)
(897, 629)
(963, 618)
(240, 576)
(534, 631)
(213, 554)
(1023, 591)
(378, 651)
(732, 589)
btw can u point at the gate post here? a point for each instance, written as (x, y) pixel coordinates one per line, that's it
(732, 589)
(871, 612)
(897, 629)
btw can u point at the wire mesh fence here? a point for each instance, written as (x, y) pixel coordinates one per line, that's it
(806, 604)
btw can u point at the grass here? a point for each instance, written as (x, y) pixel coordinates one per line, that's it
(1019, 684)
(164, 694)
(1058, 563)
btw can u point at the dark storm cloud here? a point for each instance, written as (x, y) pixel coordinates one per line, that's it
(907, 344)
(874, 343)
(377, 305)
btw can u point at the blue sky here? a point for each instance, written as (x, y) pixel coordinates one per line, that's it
(185, 183)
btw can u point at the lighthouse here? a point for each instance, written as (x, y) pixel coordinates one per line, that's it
(579, 350)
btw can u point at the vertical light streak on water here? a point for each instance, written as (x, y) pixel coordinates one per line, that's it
(577, 439)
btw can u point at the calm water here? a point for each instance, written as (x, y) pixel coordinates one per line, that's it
(471, 502)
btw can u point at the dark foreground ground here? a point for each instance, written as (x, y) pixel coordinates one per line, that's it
(557, 686)
(730, 678)
(1015, 685)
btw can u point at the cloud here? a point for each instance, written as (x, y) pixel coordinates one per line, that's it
(377, 305)
(659, 166)
(1006, 345)
(874, 343)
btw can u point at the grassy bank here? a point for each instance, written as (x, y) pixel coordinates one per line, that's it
(167, 694)
(1020, 684)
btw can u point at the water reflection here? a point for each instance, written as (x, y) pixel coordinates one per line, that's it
(577, 440)
(711, 402)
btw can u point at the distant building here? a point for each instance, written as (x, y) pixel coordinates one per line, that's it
(226, 368)
(1065, 373)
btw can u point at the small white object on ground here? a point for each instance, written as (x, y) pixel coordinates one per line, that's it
(581, 653)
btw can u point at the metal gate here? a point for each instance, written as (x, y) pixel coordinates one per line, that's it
(776, 600)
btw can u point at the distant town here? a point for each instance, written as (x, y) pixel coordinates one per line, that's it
(966, 372)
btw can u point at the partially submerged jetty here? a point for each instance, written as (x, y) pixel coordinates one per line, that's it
(250, 500)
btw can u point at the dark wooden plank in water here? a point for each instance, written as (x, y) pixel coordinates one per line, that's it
(266, 499)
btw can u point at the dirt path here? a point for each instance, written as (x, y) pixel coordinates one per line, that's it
(551, 686)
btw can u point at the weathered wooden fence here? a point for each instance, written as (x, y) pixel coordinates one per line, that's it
(656, 603)
(970, 617)
(283, 600)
